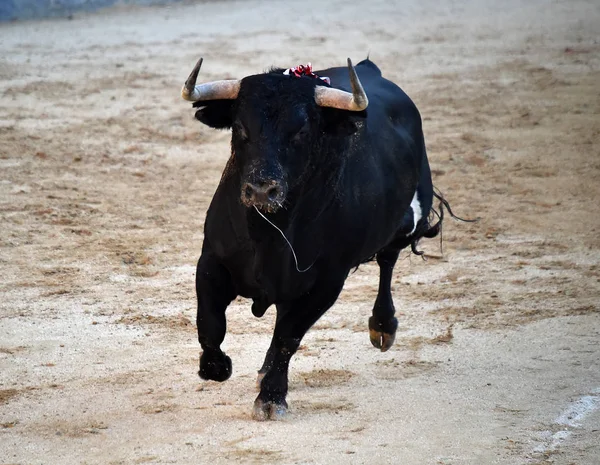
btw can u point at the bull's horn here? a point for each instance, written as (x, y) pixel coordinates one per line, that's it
(217, 90)
(335, 98)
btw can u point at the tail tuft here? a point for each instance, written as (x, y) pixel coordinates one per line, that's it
(432, 231)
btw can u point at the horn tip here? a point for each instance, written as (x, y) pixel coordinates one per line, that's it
(190, 83)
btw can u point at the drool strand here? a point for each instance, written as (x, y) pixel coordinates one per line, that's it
(286, 240)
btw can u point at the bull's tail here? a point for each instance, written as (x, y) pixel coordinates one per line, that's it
(433, 231)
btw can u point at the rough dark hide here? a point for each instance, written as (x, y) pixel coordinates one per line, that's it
(338, 184)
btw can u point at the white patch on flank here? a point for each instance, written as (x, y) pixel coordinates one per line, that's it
(417, 213)
(570, 418)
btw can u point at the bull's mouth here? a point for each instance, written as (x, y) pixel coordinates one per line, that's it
(266, 196)
(263, 207)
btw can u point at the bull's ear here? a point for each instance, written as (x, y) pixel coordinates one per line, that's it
(215, 113)
(343, 123)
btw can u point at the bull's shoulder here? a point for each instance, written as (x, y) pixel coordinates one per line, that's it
(390, 106)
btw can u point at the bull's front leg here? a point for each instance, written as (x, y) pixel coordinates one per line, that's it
(214, 291)
(293, 321)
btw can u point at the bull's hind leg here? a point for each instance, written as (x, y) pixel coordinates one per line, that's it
(293, 321)
(383, 324)
(215, 291)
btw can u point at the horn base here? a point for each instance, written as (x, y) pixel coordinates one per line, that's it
(336, 98)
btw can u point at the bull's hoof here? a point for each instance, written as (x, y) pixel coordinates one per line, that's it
(215, 365)
(382, 336)
(382, 341)
(270, 410)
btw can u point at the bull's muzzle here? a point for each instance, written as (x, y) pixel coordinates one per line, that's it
(265, 195)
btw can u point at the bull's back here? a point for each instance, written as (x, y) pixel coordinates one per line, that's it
(385, 165)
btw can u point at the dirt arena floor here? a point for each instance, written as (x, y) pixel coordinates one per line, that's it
(105, 178)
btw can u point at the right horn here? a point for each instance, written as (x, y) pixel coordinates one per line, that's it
(336, 98)
(216, 90)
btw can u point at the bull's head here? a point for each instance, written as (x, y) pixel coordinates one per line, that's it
(279, 123)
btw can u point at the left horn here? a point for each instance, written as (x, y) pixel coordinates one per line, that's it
(336, 98)
(216, 90)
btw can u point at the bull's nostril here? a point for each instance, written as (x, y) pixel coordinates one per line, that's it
(272, 193)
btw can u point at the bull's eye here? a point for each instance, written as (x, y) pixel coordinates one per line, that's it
(301, 133)
(240, 131)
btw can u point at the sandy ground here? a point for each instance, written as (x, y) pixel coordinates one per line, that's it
(105, 178)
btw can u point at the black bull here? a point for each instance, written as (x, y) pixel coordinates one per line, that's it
(344, 184)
